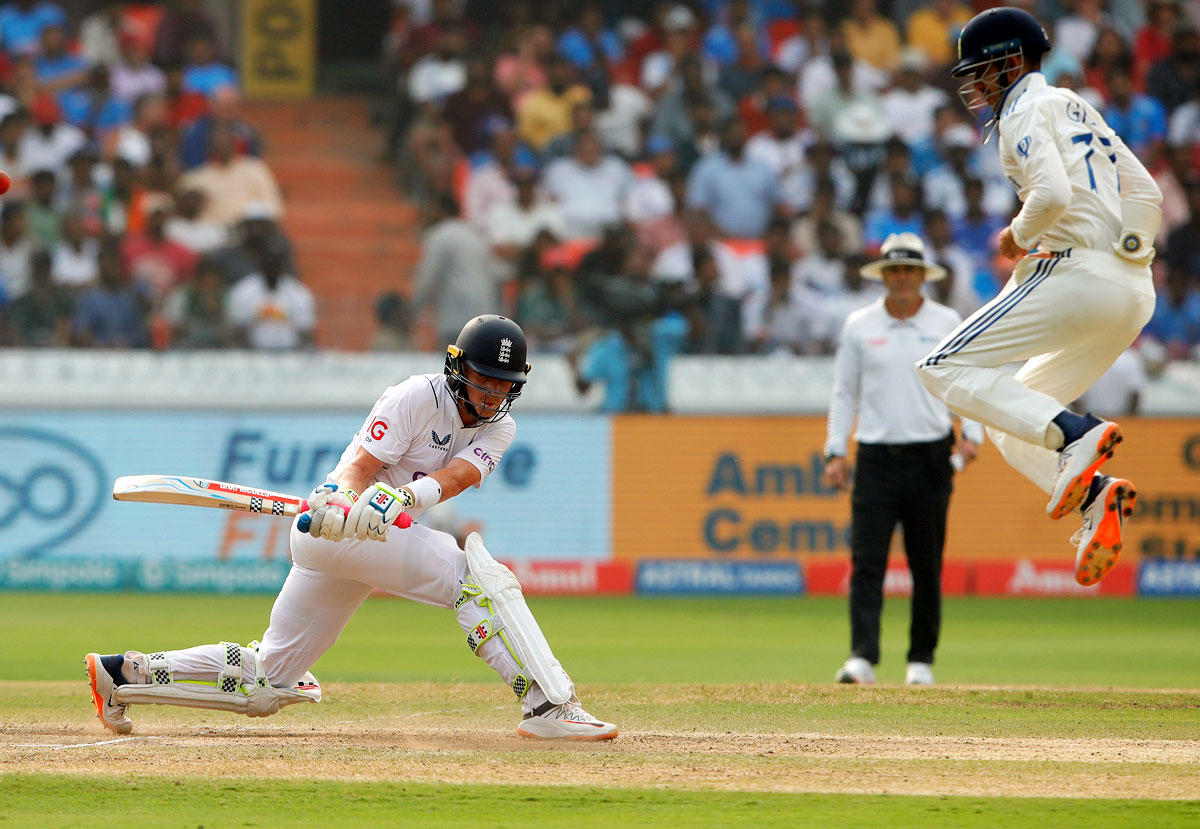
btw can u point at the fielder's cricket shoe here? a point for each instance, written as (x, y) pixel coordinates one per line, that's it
(1077, 465)
(104, 675)
(918, 673)
(1098, 541)
(564, 722)
(856, 671)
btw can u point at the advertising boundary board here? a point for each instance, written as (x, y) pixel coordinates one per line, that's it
(742, 488)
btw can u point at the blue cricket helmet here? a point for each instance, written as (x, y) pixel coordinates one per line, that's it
(996, 33)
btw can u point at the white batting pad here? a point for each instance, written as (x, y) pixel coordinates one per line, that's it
(500, 586)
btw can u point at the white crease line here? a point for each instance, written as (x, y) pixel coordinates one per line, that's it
(81, 745)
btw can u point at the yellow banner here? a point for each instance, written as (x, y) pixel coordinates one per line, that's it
(736, 487)
(279, 58)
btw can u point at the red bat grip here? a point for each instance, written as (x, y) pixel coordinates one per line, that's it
(403, 520)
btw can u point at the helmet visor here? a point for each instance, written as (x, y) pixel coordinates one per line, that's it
(986, 86)
(491, 404)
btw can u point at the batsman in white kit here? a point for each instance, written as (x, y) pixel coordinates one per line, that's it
(426, 440)
(1079, 294)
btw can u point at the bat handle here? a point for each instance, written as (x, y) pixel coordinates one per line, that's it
(403, 520)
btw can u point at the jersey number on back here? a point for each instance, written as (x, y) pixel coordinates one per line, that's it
(1087, 138)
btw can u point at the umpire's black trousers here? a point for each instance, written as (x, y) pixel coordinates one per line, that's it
(908, 483)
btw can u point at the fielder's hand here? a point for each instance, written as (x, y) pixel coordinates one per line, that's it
(374, 512)
(1008, 246)
(325, 508)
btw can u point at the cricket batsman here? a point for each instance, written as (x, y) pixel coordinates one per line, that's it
(426, 440)
(1079, 294)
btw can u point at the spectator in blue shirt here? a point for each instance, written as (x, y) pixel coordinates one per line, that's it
(632, 358)
(975, 232)
(21, 24)
(720, 44)
(903, 217)
(740, 193)
(222, 112)
(203, 73)
(112, 314)
(93, 108)
(588, 43)
(1176, 320)
(1139, 119)
(55, 68)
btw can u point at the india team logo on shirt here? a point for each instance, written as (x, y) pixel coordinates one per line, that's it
(505, 350)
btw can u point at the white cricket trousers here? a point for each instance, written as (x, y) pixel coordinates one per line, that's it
(1069, 315)
(327, 583)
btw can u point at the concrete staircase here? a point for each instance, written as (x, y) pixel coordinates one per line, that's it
(354, 237)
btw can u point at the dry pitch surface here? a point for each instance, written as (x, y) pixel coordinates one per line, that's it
(754, 738)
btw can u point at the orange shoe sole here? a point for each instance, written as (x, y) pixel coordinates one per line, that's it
(1105, 548)
(1077, 489)
(90, 661)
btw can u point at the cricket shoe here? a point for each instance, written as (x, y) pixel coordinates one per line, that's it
(1077, 465)
(919, 673)
(103, 673)
(1098, 541)
(564, 722)
(856, 671)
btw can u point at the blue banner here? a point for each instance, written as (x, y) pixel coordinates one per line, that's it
(703, 576)
(1169, 578)
(548, 499)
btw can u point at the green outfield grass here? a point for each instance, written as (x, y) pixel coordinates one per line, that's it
(1054, 642)
(70, 801)
(1062, 712)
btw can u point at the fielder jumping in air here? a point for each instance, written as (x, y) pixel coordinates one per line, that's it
(1079, 294)
(426, 440)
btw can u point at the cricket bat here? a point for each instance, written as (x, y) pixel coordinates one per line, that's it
(201, 492)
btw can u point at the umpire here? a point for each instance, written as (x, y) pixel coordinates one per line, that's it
(905, 445)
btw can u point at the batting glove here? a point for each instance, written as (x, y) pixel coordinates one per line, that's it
(374, 512)
(325, 506)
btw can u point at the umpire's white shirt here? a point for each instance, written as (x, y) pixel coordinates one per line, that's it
(875, 379)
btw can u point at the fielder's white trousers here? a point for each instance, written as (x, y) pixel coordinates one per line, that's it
(1070, 317)
(327, 583)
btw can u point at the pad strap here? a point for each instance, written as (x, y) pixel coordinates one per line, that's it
(160, 669)
(260, 672)
(230, 680)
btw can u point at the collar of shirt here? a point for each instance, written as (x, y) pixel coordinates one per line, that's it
(922, 319)
(1032, 81)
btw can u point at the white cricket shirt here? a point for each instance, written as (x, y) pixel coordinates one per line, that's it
(415, 429)
(875, 379)
(1070, 169)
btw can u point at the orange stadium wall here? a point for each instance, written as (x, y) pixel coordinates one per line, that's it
(749, 488)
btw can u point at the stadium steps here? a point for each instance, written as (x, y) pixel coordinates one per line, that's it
(354, 237)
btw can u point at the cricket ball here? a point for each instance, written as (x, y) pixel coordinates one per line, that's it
(5, 182)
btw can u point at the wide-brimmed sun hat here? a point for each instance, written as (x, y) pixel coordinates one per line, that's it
(903, 249)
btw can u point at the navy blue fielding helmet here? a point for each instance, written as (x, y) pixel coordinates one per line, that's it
(997, 33)
(985, 45)
(495, 347)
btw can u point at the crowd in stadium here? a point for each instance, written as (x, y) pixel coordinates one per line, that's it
(140, 213)
(708, 176)
(704, 176)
